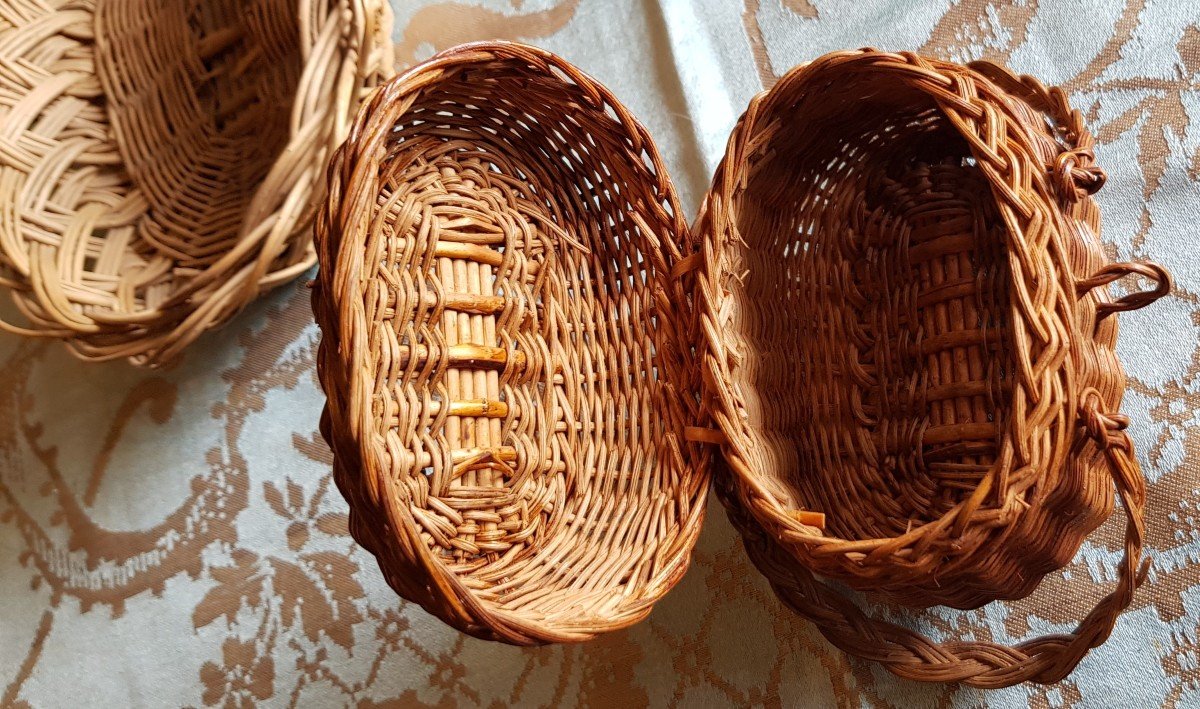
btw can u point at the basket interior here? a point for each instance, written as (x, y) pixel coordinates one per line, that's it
(521, 356)
(871, 304)
(199, 93)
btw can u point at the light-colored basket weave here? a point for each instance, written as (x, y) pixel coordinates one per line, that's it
(910, 353)
(158, 160)
(504, 299)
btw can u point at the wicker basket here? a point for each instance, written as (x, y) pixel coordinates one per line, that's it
(504, 301)
(158, 159)
(910, 352)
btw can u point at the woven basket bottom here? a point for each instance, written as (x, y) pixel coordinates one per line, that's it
(228, 96)
(877, 323)
(529, 525)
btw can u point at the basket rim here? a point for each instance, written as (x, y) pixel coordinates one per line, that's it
(342, 317)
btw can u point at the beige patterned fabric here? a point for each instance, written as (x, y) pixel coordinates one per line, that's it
(173, 537)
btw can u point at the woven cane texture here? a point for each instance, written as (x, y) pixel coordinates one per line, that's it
(158, 160)
(504, 302)
(910, 351)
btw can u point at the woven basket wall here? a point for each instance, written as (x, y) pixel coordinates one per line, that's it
(911, 352)
(159, 160)
(504, 299)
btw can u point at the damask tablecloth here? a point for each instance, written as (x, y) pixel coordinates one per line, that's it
(173, 537)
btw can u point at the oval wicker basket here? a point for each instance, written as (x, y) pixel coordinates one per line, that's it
(910, 351)
(158, 159)
(504, 302)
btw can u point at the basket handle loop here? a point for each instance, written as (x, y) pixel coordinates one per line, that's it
(1133, 301)
(1073, 170)
(911, 655)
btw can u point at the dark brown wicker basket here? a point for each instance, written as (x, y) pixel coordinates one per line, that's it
(911, 353)
(506, 348)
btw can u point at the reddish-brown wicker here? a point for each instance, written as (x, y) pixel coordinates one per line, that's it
(159, 161)
(504, 303)
(908, 350)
